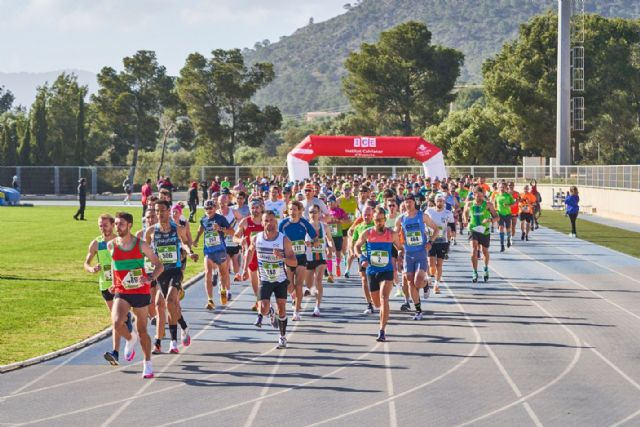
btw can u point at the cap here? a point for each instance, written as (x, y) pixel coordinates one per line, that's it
(177, 207)
(346, 186)
(332, 198)
(255, 201)
(225, 190)
(263, 180)
(309, 186)
(286, 190)
(209, 204)
(410, 197)
(439, 196)
(194, 184)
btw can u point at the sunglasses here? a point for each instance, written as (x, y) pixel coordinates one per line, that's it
(208, 209)
(307, 191)
(391, 204)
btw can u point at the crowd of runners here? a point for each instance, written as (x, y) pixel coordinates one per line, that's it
(289, 238)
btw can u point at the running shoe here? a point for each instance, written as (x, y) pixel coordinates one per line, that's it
(296, 316)
(405, 307)
(282, 343)
(254, 307)
(173, 347)
(272, 318)
(181, 294)
(185, 338)
(214, 279)
(223, 296)
(147, 370)
(526, 237)
(111, 357)
(501, 248)
(369, 309)
(417, 316)
(330, 279)
(486, 275)
(381, 337)
(399, 292)
(128, 322)
(509, 241)
(436, 287)
(237, 277)
(228, 295)
(210, 305)
(316, 312)
(522, 236)
(258, 322)
(338, 271)
(307, 293)
(157, 348)
(129, 347)
(346, 274)
(474, 277)
(427, 291)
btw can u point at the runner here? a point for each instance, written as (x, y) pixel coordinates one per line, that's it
(297, 229)
(273, 250)
(416, 240)
(316, 257)
(311, 200)
(157, 308)
(392, 214)
(527, 202)
(131, 288)
(442, 218)
(98, 247)
(504, 203)
(479, 214)
(275, 204)
(348, 203)
(378, 262)
(357, 229)
(337, 219)
(515, 210)
(167, 240)
(233, 249)
(247, 228)
(214, 227)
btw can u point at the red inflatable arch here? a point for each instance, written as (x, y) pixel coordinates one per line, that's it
(364, 146)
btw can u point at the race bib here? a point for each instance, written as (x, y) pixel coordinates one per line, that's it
(133, 279)
(212, 238)
(379, 258)
(352, 217)
(299, 247)
(108, 275)
(479, 228)
(414, 238)
(148, 266)
(271, 271)
(334, 229)
(525, 209)
(229, 241)
(317, 250)
(168, 254)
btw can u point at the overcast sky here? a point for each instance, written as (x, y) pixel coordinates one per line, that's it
(47, 35)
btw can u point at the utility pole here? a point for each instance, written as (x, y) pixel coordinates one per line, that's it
(563, 127)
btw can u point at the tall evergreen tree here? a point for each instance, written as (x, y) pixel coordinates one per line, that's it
(24, 152)
(81, 143)
(39, 128)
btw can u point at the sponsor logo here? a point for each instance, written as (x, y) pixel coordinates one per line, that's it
(422, 150)
(365, 142)
(302, 151)
(356, 142)
(372, 142)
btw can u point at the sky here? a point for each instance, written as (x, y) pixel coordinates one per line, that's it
(48, 35)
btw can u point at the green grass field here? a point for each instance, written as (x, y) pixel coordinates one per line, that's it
(624, 241)
(47, 300)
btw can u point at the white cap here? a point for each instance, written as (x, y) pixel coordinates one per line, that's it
(15, 177)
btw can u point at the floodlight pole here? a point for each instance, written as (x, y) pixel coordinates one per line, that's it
(563, 128)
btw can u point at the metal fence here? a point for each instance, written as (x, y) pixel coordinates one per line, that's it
(103, 179)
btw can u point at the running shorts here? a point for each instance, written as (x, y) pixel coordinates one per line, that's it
(481, 238)
(106, 295)
(233, 250)
(170, 277)
(135, 300)
(312, 265)
(376, 279)
(218, 257)
(279, 289)
(439, 250)
(452, 226)
(526, 217)
(415, 261)
(338, 241)
(504, 220)
(302, 262)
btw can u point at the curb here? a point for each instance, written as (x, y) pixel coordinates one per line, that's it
(79, 345)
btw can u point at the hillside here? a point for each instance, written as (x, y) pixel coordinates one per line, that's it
(308, 63)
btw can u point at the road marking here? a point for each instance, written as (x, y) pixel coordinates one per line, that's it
(393, 419)
(629, 418)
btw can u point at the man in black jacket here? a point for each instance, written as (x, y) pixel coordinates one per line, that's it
(82, 198)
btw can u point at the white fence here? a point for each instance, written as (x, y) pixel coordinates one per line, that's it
(101, 179)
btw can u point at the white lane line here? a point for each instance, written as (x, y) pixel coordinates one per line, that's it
(579, 284)
(614, 367)
(564, 373)
(629, 418)
(464, 360)
(147, 384)
(49, 372)
(393, 418)
(513, 385)
(633, 279)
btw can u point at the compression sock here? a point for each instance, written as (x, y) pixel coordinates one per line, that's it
(182, 323)
(173, 330)
(418, 308)
(282, 323)
(502, 238)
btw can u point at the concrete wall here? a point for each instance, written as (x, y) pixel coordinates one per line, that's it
(616, 204)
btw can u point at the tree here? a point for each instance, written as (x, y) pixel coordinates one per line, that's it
(62, 118)
(9, 141)
(80, 142)
(520, 83)
(39, 128)
(402, 82)
(217, 94)
(6, 100)
(24, 152)
(129, 104)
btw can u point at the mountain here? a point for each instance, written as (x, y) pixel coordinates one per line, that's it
(308, 63)
(23, 85)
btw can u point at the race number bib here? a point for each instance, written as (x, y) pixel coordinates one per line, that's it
(108, 275)
(414, 238)
(271, 271)
(352, 217)
(525, 208)
(317, 250)
(479, 228)
(334, 229)
(228, 240)
(299, 247)
(168, 254)
(133, 279)
(379, 258)
(212, 238)
(148, 266)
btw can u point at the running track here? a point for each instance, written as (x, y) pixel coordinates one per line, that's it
(552, 339)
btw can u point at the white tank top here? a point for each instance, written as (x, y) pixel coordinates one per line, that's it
(270, 268)
(231, 219)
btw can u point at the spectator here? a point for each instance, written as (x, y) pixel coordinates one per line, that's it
(15, 184)
(166, 184)
(126, 186)
(225, 183)
(215, 186)
(145, 193)
(205, 191)
(193, 200)
(572, 208)
(82, 198)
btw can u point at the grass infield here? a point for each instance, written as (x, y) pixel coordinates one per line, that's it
(621, 240)
(47, 300)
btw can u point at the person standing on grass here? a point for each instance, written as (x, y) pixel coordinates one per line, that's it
(193, 201)
(98, 248)
(572, 208)
(145, 193)
(82, 199)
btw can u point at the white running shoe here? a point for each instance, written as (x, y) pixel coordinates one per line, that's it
(316, 312)
(130, 346)
(173, 347)
(369, 309)
(295, 317)
(417, 316)
(147, 369)
(436, 287)
(185, 337)
(282, 343)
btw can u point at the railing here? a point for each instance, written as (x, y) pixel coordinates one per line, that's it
(103, 179)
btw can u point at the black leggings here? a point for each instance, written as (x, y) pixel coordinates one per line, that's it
(573, 217)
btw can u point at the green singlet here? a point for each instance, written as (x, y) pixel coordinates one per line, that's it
(360, 228)
(105, 275)
(479, 213)
(503, 203)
